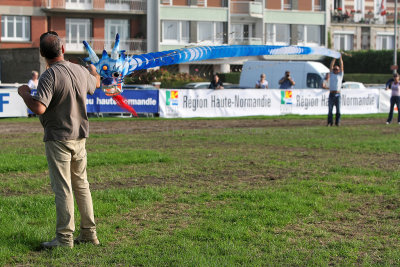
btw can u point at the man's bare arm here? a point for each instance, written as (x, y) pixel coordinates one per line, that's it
(341, 64)
(92, 70)
(37, 107)
(332, 64)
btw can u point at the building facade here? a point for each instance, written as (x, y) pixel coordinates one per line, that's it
(183, 23)
(156, 25)
(362, 24)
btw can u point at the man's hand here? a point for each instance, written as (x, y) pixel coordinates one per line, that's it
(92, 70)
(24, 90)
(37, 107)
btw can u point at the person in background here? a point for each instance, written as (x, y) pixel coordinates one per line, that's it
(395, 98)
(216, 83)
(335, 85)
(325, 82)
(388, 84)
(262, 83)
(61, 105)
(286, 82)
(33, 82)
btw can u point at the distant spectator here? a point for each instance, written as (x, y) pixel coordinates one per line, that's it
(325, 83)
(335, 86)
(388, 84)
(33, 82)
(262, 83)
(395, 98)
(216, 83)
(286, 82)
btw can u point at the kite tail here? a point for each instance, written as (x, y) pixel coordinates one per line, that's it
(121, 101)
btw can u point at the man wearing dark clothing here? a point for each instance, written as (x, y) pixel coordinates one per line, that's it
(216, 83)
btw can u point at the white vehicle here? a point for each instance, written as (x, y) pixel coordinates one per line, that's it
(306, 74)
(197, 85)
(353, 85)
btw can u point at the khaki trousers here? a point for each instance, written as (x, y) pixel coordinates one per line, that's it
(67, 169)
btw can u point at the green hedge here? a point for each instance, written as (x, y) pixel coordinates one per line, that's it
(367, 78)
(367, 61)
(232, 77)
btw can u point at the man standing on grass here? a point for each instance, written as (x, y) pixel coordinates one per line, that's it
(61, 104)
(335, 85)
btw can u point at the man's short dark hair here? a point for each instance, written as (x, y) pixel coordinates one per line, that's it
(50, 45)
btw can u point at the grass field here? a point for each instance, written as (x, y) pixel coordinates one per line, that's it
(252, 196)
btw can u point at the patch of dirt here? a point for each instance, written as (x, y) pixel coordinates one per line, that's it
(146, 126)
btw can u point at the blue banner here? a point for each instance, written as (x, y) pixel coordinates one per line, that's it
(143, 101)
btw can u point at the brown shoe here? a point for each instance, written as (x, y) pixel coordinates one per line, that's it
(56, 243)
(92, 240)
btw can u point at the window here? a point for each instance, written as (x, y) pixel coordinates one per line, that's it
(359, 5)
(210, 32)
(343, 41)
(286, 4)
(114, 26)
(78, 4)
(15, 28)
(337, 4)
(117, 5)
(314, 80)
(309, 35)
(77, 30)
(278, 34)
(175, 31)
(313, 34)
(241, 32)
(317, 5)
(384, 41)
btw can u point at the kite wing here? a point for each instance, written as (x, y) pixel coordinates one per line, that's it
(151, 60)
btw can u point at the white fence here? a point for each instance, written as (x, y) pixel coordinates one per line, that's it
(237, 102)
(253, 102)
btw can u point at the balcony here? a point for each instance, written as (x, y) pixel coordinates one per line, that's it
(96, 5)
(252, 9)
(131, 46)
(199, 3)
(353, 16)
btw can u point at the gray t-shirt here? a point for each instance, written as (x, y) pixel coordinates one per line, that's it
(63, 89)
(335, 81)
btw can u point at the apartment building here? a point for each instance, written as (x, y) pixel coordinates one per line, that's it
(362, 24)
(217, 22)
(96, 21)
(156, 25)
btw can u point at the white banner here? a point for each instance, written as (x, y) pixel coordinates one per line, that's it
(384, 101)
(360, 101)
(251, 102)
(11, 104)
(218, 103)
